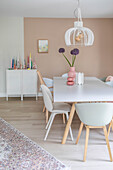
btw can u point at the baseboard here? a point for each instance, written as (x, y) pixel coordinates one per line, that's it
(4, 95)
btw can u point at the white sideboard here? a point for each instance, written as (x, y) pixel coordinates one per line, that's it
(21, 82)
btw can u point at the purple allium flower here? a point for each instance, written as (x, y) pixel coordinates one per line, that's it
(75, 51)
(61, 50)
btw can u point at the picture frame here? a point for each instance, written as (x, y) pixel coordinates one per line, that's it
(42, 46)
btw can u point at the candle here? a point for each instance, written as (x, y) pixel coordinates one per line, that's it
(30, 61)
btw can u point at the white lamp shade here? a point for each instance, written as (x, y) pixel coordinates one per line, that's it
(79, 35)
(71, 36)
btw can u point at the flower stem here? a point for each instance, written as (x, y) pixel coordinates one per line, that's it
(73, 60)
(67, 60)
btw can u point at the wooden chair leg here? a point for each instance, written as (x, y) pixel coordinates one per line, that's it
(46, 115)
(64, 118)
(44, 108)
(86, 142)
(109, 127)
(79, 133)
(107, 141)
(112, 124)
(69, 123)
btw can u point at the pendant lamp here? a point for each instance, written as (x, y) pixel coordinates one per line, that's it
(79, 35)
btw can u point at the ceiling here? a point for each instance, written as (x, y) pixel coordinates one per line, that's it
(56, 8)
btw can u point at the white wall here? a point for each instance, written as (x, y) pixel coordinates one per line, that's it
(11, 44)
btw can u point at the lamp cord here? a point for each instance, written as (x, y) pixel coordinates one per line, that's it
(78, 15)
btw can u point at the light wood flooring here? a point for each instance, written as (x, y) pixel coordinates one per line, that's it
(27, 116)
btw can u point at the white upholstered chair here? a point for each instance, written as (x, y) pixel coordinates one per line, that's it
(54, 108)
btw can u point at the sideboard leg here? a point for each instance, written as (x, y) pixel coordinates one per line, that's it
(6, 97)
(22, 97)
(36, 97)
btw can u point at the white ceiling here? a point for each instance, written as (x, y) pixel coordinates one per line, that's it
(56, 8)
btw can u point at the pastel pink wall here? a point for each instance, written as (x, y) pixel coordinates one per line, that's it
(96, 60)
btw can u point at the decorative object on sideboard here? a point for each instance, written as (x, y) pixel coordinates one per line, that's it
(42, 46)
(29, 64)
(79, 35)
(16, 63)
(71, 74)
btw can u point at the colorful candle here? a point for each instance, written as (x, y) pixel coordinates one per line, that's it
(30, 61)
(11, 62)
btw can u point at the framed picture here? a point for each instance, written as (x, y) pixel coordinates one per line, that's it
(42, 46)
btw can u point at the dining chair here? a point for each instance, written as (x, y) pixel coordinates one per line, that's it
(54, 109)
(94, 115)
(48, 82)
(110, 83)
(65, 75)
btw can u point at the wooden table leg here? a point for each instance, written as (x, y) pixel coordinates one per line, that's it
(69, 123)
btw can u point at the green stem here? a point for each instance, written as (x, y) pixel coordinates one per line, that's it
(67, 60)
(73, 60)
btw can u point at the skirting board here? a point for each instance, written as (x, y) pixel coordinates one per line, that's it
(4, 95)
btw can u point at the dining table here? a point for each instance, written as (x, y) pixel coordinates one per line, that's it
(93, 90)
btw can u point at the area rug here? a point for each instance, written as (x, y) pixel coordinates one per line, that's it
(18, 152)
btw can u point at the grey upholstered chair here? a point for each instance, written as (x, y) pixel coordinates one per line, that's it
(54, 108)
(110, 83)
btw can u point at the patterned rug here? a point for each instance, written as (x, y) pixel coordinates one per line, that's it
(18, 152)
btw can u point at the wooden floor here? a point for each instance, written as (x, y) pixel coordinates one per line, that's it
(27, 116)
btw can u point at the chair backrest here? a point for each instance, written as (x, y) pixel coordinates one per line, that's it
(65, 75)
(95, 114)
(47, 96)
(40, 78)
(48, 82)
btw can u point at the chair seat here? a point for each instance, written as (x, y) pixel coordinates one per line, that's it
(61, 107)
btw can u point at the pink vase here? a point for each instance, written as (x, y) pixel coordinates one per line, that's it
(72, 73)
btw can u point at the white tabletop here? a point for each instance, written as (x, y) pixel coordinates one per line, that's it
(92, 90)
